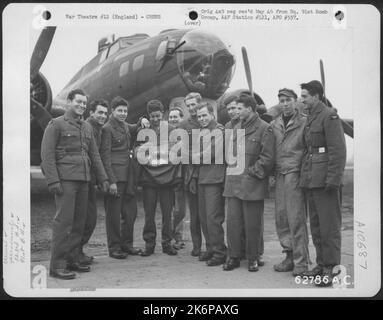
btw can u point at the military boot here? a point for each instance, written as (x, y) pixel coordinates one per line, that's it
(287, 264)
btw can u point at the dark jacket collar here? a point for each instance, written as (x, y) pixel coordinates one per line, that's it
(118, 125)
(193, 120)
(94, 123)
(251, 124)
(315, 110)
(234, 122)
(68, 116)
(212, 125)
(293, 123)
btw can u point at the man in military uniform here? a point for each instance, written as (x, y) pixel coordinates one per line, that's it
(190, 173)
(98, 111)
(179, 210)
(211, 176)
(120, 204)
(158, 179)
(321, 176)
(68, 150)
(246, 191)
(232, 111)
(290, 212)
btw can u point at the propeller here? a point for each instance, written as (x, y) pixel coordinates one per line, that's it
(247, 70)
(261, 109)
(323, 80)
(346, 124)
(41, 95)
(41, 49)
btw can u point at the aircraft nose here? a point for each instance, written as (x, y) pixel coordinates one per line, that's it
(205, 64)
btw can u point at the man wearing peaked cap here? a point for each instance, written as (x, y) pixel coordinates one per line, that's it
(290, 213)
(321, 176)
(276, 111)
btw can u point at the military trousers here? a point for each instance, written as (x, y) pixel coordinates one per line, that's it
(121, 213)
(179, 211)
(195, 225)
(290, 218)
(325, 224)
(91, 216)
(68, 223)
(211, 205)
(248, 216)
(165, 194)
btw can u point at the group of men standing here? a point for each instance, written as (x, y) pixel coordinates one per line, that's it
(303, 149)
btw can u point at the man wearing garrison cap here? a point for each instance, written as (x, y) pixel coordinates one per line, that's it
(290, 213)
(321, 176)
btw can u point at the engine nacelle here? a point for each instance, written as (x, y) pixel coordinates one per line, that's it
(41, 103)
(41, 91)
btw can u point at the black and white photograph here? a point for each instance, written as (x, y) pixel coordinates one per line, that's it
(191, 150)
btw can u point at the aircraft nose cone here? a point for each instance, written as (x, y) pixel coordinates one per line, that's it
(205, 64)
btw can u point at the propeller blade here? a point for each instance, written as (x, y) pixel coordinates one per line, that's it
(247, 70)
(322, 74)
(41, 49)
(323, 80)
(40, 114)
(347, 128)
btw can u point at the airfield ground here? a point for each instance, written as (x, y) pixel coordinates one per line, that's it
(174, 272)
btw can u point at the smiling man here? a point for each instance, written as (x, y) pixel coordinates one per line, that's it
(68, 150)
(246, 191)
(232, 111)
(190, 173)
(158, 181)
(290, 213)
(321, 177)
(120, 204)
(211, 177)
(98, 110)
(179, 210)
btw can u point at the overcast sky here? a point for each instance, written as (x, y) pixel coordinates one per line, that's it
(278, 58)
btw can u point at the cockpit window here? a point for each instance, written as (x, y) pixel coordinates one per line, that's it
(103, 56)
(138, 62)
(124, 68)
(113, 49)
(161, 51)
(204, 42)
(128, 41)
